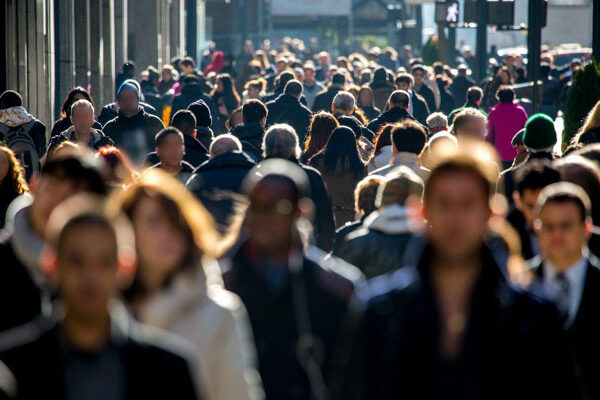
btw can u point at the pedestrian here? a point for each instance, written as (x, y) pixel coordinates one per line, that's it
(342, 168)
(23, 282)
(191, 91)
(170, 149)
(82, 130)
(590, 130)
(281, 141)
(127, 72)
(379, 243)
(568, 275)
(398, 104)
(504, 121)
(91, 347)
(287, 109)
(419, 74)
(461, 84)
(21, 132)
(366, 103)
(310, 85)
(168, 79)
(120, 173)
(381, 87)
(225, 97)
(111, 110)
(408, 143)
(217, 183)
(178, 287)
(289, 298)
(474, 97)
(133, 129)
(64, 122)
(550, 91)
(321, 126)
(344, 105)
(203, 115)
(324, 99)
(12, 181)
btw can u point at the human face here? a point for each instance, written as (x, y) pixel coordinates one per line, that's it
(51, 191)
(271, 216)
(4, 165)
(87, 269)
(280, 66)
(473, 129)
(309, 75)
(82, 119)
(419, 77)
(525, 203)
(128, 102)
(171, 150)
(161, 246)
(561, 232)
(457, 210)
(166, 75)
(253, 92)
(403, 86)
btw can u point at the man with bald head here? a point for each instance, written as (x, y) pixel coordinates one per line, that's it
(217, 182)
(398, 105)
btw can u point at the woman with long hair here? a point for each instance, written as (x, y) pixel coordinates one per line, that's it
(12, 181)
(64, 122)
(342, 168)
(366, 103)
(319, 131)
(590, 130)
(225, 97)
(178, 287)
(382, 148)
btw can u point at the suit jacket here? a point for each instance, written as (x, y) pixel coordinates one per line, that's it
(584, 332)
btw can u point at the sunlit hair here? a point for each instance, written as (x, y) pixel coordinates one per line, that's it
(371, 101)
(465, 116)
(65, 110)
(321, 126)
(592, 121)
(383, 138)
(365, 194)
(183, 211)
(15, 177)
(119, 167)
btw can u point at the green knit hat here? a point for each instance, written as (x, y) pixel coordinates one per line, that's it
(539, 133)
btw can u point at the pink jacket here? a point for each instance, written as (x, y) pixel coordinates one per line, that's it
(504, 121)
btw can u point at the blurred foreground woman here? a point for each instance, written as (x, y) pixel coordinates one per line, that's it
(177, 287)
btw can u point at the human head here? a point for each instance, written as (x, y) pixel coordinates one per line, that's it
(77, 93)
(400, 186)
(283, 78)
(119, 169)
(365, 97)
(408, 136)
(399, 98)
(342, 148)
(234, 119)
(441, 139)
(419, 73)
(167, 73)
(185, 121)
(457, 198)
(128, 68)
(474, 95)
(187, 65)
(12, 175)
(540, 134)
(172, 230)
(562, 223)
(10, 99)
(437, 122)
(255, 88)
(293, 88)
(223, 144)
(530, 179)
(343, 103)
(404, 81)
(584, 173)
(169, 146)
(505, 94)
(469, 124)
(365, 194)
(82, 116)
(128, 98)
(89, 253)
(338, 80)
(201, 112)
(254, 111)
(309, 72)
(63, 176)
(319, 131)
(277, 190)
(281, 141)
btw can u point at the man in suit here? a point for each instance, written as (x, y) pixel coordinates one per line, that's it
(91, 348)
(570, 275)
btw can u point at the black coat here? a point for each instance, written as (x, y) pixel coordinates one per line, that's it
(513, 345)
(21, 296)
(251, 135)
(205, 136)
(324, 99)
(391, 116)
(153, 368)
(420, 108)
(64, 123)
(371, 112)
(429, 97)
(517, 220)
(287, 109)
(217, 184)
(507, 175)
(584, 332)
(109, 112)
(459, 87)
(323, 222)
(273, 318)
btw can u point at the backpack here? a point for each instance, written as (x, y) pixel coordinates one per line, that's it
(18, 139)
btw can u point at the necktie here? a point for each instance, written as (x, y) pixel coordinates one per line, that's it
(562, 296)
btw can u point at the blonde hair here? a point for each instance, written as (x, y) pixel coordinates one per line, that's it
(592, 121)
(15, 175)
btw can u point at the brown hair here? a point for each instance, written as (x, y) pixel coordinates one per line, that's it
(366, 193)
(15, 177)
(321, 126)
(382, 139)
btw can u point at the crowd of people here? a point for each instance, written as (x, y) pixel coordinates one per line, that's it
(280, 226)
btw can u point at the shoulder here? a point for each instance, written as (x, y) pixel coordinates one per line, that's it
(153, 119)
(389, 286)
(19, 340)
(335, 276)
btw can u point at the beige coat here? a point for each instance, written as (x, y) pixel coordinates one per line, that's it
(215, 320)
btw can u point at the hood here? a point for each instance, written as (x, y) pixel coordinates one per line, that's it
(392, 220)
(250, 130)
(230, 159)
(192, 143)
(15, 116)
(216, 64)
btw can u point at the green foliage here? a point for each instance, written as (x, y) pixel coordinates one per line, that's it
(431, 50)
(584, 95)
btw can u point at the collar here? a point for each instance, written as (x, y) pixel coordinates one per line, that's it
(95, 136)
(575, 274)
(404, 158)
(391, 220)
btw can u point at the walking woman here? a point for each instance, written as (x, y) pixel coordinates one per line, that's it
(319, 131)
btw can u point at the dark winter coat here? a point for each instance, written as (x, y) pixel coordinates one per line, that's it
(109, 112)
(64, 123)
(287, 109)
(205, 136)
(371, 112)
(251, 135)
(182, 176)
(324, 99)
(391, 116)
(429, 97)
(459, 87)
(420, 108)
(190, 93)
